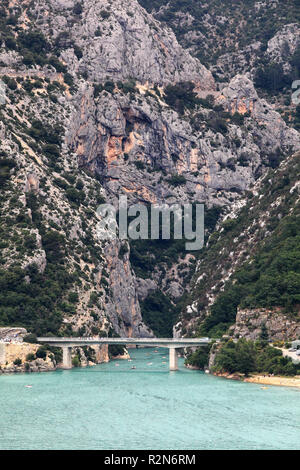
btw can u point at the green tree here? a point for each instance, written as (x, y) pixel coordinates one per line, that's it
(264, 333)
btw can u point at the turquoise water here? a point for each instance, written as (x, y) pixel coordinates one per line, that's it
(114, 407)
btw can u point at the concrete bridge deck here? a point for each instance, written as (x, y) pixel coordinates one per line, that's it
(171, 343)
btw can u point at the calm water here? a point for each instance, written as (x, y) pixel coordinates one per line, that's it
(110, 407)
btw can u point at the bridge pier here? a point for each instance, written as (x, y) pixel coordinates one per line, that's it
(173, 359)
(67, 357)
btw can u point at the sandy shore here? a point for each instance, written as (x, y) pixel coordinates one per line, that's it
(282, 381)
(263, 380)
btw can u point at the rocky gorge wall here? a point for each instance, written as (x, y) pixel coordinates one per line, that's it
(109, 102)
(279, 326)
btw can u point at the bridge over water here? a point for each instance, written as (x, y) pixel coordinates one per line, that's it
(171, 343)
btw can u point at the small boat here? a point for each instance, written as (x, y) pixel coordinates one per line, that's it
(264, 388)
(155, 350)
(149, 363)
(133, 367)
(117, 365)
(28, 386)
(206, 371)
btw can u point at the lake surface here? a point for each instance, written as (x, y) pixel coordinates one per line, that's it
(114, 407)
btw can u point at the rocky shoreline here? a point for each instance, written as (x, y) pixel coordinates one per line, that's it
(21, 357)
(17, 355)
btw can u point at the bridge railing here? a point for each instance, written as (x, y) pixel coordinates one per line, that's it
(106, 340)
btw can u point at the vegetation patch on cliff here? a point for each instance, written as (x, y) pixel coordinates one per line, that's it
(267, 276)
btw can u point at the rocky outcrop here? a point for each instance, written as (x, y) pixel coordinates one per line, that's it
(96, 354)
(284, 43)
(15, 357)
(32, 183)
(119, 41)
(212, 355)
(279, 326)
(38, 365)
(144, 287)
(9, 333)
(128, 142)
(123, 307)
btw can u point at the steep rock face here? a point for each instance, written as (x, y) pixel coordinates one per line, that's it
(124, 133)
(144, 287)
(249, 323)
(118, 40)
(129, 141)
(256, 38)
(284, 43)
(41, 197)
(123, 307)
(242, 97)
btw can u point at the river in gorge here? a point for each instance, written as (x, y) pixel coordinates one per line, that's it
(111, 406)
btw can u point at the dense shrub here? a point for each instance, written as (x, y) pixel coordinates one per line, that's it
(35, 41)
(10, 82)
(30, 338)
(77, 10)
(59, 66)
(104, 14)
(73, 297)
(75, 195)
(177, 180)
(199, 358)
(76, 361)
(271, 78)
(181, 96)
(6, 165)
(30, 357)
(35, 304)
(115, 349)
(50, 135)
(140, 165)
(41, 352)
(248, 356)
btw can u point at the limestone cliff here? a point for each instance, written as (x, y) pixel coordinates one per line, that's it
(101, 100)
(278, 326)
(17, 355)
